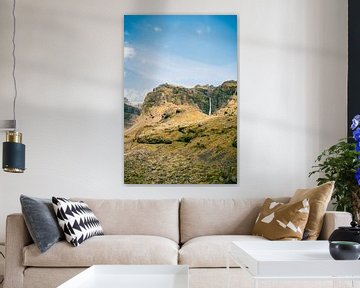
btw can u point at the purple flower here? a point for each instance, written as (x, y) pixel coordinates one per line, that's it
(356, 134)
(355, 122)
(357, 147)
(357, 176)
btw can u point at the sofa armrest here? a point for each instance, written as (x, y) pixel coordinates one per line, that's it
(17, 237)
(333, 220)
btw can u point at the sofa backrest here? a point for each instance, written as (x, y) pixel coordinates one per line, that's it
(159, 217)
(200, 217)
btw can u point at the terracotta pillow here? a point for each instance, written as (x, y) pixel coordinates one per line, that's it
(319, 198)
(279, 221)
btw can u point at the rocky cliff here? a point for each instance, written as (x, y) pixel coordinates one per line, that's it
(175, 141)
(130, 113)
(198, 96)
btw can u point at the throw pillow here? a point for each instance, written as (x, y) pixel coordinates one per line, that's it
(77, 220)
(279, 221)
(41, 222)
(319, 198)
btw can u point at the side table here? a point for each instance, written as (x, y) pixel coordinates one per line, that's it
(131, 276)
(294, 263)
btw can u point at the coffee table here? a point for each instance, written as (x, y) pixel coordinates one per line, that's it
(131, 276)
(292, 260)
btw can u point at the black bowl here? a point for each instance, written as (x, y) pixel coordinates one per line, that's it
(344, 250)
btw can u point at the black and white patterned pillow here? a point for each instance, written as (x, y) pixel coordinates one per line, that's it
(77, 220)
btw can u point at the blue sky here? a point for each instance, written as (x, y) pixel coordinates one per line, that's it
(182, 50)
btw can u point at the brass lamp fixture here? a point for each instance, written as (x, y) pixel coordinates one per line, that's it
(13, 160)
(13, 153)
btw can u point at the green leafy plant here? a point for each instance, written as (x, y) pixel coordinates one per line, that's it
(341, 163)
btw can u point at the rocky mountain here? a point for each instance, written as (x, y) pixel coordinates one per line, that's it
(207, 98)
(176, 141)
(130, 113)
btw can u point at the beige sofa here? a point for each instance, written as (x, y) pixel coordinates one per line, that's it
(194, 232)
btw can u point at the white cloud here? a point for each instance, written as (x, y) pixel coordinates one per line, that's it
(201, 31)
(129, 52)
(157, 29)
(177, 70)
(135, 96)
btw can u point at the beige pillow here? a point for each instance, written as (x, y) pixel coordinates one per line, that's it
(279, 221)
(319, 198)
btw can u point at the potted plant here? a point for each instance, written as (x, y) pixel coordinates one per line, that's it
(341, 163)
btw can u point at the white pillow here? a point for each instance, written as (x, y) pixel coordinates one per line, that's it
(76, 220)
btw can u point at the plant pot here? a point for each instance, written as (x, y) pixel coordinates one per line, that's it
(343, 250)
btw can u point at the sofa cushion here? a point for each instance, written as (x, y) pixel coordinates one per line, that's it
(107, 249)
(319, 198)
(201, 217)
(211, 251)
(35, 277)
(41, 221)
(77, 220)
(158, 217)
(279, 221)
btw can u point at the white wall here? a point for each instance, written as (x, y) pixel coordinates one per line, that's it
(292, 74)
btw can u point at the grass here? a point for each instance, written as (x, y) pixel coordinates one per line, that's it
(185, 147)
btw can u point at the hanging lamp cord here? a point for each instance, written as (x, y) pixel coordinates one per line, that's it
(14, 61)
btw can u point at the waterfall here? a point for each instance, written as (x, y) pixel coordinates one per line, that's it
(209, 105)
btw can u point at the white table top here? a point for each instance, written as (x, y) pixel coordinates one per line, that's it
(131, 276)
(291, 259)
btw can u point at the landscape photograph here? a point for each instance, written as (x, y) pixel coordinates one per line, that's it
(180, 99)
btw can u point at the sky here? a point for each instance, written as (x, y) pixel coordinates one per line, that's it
(183, 50)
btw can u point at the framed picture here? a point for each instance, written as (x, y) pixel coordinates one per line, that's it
(180, 99)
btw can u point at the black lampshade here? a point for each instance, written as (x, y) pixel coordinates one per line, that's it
(13, 153)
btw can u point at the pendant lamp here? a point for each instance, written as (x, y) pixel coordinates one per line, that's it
(13, 160)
